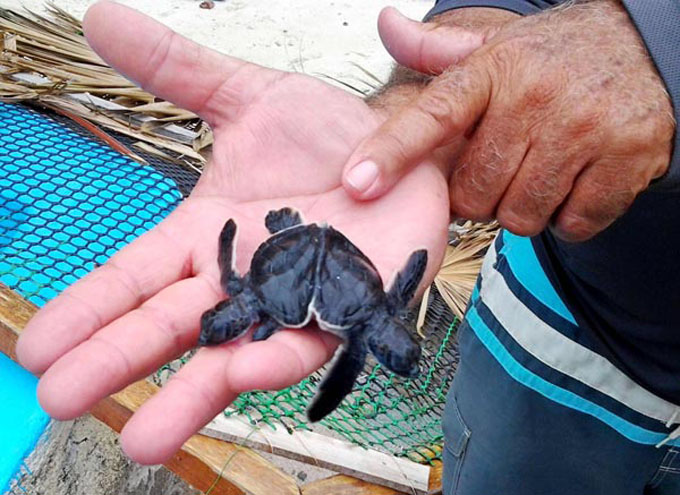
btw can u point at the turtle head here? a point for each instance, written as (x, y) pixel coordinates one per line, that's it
(226, 321)
(394, 347)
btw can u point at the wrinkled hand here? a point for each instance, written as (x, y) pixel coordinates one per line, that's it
(446, 39)
(280, 139)
(565, 117)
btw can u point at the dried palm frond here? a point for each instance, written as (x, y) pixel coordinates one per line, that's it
(462, 262)
(46, 60)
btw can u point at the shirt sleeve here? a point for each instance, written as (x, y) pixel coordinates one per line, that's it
(657, 21)
(522, 7)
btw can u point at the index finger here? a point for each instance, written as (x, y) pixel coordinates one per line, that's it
(443, 112)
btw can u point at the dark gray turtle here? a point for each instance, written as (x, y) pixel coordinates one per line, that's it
(313, 270)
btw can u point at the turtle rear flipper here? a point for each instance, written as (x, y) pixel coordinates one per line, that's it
(406, 282)
(231, 283)
(339, 381)
(278, 220)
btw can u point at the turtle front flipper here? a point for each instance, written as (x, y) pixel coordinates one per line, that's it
(394, 347)
(406, 282)
(227, 321)
(278, 220)
(231, 283)
(339, 381)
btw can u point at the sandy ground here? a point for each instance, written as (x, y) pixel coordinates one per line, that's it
(83, 457)
(311, 36)
(316, 37)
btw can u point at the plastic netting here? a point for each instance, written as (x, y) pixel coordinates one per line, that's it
(68, 202)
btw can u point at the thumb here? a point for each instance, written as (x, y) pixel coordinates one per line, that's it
(447, 109)
(425, 47)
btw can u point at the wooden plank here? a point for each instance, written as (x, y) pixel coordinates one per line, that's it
(345, 485)
(15, 312)
(326, 452)
(244, 468)
(201, 459)
(188, 466)
(435, 483)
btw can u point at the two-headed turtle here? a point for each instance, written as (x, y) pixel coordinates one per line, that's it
(306, 270)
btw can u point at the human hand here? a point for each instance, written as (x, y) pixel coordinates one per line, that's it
(564, 115)
(280, 140)
(448, 38)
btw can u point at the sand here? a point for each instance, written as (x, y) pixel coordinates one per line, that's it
(310, 36)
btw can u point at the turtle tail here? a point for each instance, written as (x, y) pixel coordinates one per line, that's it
(339, 381)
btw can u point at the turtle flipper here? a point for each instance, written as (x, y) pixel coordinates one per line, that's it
(394, 347)
(406, 282)
(227, 321)
(339, 381)
(277, 220)
(267, 328)
(231, 283)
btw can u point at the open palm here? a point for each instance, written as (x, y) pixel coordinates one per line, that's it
(280, 140)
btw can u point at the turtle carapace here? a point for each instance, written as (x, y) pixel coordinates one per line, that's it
(310, 270)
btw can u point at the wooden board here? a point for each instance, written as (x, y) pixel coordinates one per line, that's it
(243, 468)
(435, 483)
(325, 452)
(345, 485)
(15, 312)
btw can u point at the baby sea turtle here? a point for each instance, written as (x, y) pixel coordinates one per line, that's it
(306, 270)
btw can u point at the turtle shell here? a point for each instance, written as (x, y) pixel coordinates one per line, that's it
(312, 270)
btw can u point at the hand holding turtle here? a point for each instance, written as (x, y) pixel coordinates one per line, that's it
(564, 115)
(280, 139)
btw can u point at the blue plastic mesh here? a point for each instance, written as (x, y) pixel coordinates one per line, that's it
(67, 203)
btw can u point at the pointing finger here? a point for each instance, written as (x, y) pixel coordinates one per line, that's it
(443, 112)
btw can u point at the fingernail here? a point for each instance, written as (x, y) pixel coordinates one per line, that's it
(362, 176)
